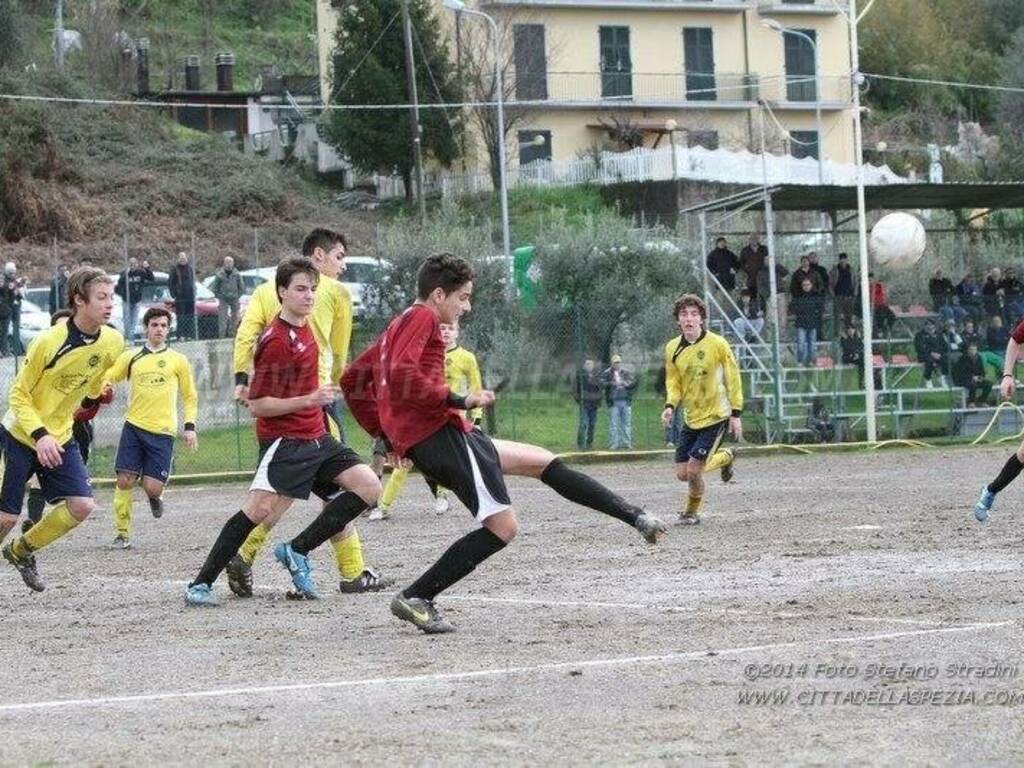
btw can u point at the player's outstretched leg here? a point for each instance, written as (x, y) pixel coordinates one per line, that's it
(725, 460)
(1009, 472)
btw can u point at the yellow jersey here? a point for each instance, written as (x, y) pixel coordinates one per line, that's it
(331, 323)
(155, 377)
(462, 375)
(703, 379)
(63, 366)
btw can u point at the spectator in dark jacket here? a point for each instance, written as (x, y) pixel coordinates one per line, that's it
(59, 289)
(969, 373)
(821, 281)
(931, 352)
(808, 308)
(941, 290)
(843, 283)
(851, 346)
(228, 287)
(723, 263)
(752, 257)
(803, 272)
(994, 349)
(968, 290)
(129, 288)
(182, 285)
(971, 336)
(588, 392)
(990, 292)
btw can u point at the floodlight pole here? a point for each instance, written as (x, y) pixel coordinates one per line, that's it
(58, 37)
(416, 130)
(773, 283)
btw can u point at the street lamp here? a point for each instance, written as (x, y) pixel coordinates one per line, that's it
(459, 7)
(775, 26)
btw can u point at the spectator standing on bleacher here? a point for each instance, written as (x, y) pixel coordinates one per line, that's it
(996, 339)
(803, 272)
(750, 323)
(808, 309)
(228, 287)
(968, 290)
(821, 282)
(883, 316)
(764, 294)
(843, 284)
(752, 257)
(182, 285)
(619, 385)
(941, 290)
(970, 335)
(990, 292)
(969, 373)
(588, 392)
(723, 263)
(953, 312)
(1013, 295)
(931, 353)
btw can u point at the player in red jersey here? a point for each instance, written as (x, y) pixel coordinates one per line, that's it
(297, 454)
(396, 389)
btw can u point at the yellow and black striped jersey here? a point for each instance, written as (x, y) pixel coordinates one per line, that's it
(462, 375)
(702, 377)
(155, 377)
(62, 367)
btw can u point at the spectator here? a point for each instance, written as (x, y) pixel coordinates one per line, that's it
(996, 339)
(883, 315)
(227, 286)
(619, 385)
(750, 323)
(807, 310)
(16, 286)
(763, 295)
(969, 373)
(968, 290)
(843, 284)
(820, 422)
(953, 312)
(1011, 285)
(931, 353)
(182, 285)
(588, 392)
(6, 300)
(953, 340)
(851, 346)
(753, 256)
(821, 281)
(129, 287)
(990, 292)
(723, 263)
(970, 335)
(59, 289)
(803, 272)
(941, 290)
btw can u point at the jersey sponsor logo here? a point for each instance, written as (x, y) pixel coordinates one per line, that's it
(154, 379)
(700, 354)
(94, 360)
(69, 382)
(162, 364)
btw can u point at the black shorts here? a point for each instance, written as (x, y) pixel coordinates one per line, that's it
(699, 444)
(468, 465)
(293, 468)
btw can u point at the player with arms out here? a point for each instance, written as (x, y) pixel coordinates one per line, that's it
(702, 378)
(297, 454)
(155, 375)
(1015, 463)
(462, 374)
(331, 323)
(397, 389)
(65, 368)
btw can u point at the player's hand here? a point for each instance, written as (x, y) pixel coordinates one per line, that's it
(49, 452)
(191, 439)
(398, 462)
(86, 412)
(736, 427)
(326, 395)
(1007, 387)
(242, 394)
(666, 417)
(480, 399)
(107, 396)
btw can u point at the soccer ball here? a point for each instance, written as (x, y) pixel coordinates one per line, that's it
(897, 241)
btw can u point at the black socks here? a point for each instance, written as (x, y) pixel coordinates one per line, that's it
(338, 513)
(232, 536)
(1008, 473)
(36, 504)
(585, 490)
(456, 563)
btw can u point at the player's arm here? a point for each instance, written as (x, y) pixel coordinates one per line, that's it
(360, 394)
(734, 389)
(673, 387)
(1007, 386)
(258, 315)
(268, 407)
(404, 372)
(190, 401)
(341, 333)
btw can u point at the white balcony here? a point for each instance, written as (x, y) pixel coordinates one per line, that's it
(723, 6)
(719, 90)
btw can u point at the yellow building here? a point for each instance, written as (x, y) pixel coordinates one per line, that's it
(698, 67)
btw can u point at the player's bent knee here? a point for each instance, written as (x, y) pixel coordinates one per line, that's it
(683, 473)
(125, 480)
(504, 525)
(153, 488)
(81, 507)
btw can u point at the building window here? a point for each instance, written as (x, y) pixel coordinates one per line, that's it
(706, 139)
(534, 145)
(804, 144)
(800, 67)
(530, 62)
(616, 64)
(699, 58)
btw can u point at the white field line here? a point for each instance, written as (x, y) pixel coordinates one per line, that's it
(451, 677)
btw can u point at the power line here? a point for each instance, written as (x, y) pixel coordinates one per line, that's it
(946, 83)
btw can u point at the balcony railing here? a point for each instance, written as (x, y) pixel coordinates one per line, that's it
(638, 87)
(802, 6)
(802, 91)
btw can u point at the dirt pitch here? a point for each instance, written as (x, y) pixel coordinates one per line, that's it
(577, 645)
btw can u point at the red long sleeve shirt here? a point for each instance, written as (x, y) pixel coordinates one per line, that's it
(397, 387)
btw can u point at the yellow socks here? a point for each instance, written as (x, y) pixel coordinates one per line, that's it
(123, 511)
(719, 460)
(348, 552)
(56, 523)
(394, 487)
(693, 505)
(255, 543)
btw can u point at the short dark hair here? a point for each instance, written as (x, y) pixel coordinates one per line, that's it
(690, 300)
(153, 312)
(292, 266)
(60, 314)
(843, 256)
(322, 238)
(444, 271)
(720, 240)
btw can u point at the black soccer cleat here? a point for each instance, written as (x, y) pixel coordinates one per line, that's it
(26, 525)
(26, 566)
(422, 614)
(156, 506)
(240, 576)
(729, 470)
(367, 581)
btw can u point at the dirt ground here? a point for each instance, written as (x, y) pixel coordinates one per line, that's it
(831, 610)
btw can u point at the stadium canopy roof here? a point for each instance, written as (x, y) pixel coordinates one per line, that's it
(801, 197)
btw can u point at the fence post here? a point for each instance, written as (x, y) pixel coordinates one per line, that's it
(256, 246)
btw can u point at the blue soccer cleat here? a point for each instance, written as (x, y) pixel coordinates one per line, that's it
(200, 595)
(984, 505)
(299, 568)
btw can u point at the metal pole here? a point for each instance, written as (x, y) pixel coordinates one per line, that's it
(502, 173)
(703, 219)
(773, 283)
(127, 314)
(862, 230)
(410, 75)
(58, 37)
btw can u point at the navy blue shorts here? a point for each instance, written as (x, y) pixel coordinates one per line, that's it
(70, 479)
(699, 444)
(144, 453)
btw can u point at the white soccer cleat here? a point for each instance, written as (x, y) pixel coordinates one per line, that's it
(441, 503)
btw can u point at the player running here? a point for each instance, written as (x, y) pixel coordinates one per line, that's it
(155, 375)
(66, 363)
(396, 388)
(702, 378)
(297, 454)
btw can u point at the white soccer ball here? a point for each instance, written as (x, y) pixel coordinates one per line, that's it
(897, 241)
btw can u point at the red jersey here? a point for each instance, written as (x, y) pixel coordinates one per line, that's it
(286, 363)
(1018, 333)
(397, 387)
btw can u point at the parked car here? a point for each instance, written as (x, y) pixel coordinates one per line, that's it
(40, 297)
(153, 295)
(34, 320)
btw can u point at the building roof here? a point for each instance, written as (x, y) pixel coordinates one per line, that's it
(800, 197)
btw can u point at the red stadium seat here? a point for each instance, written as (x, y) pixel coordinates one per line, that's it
(878, 361)
(824, 361)
(900, 360)
(918, 310)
